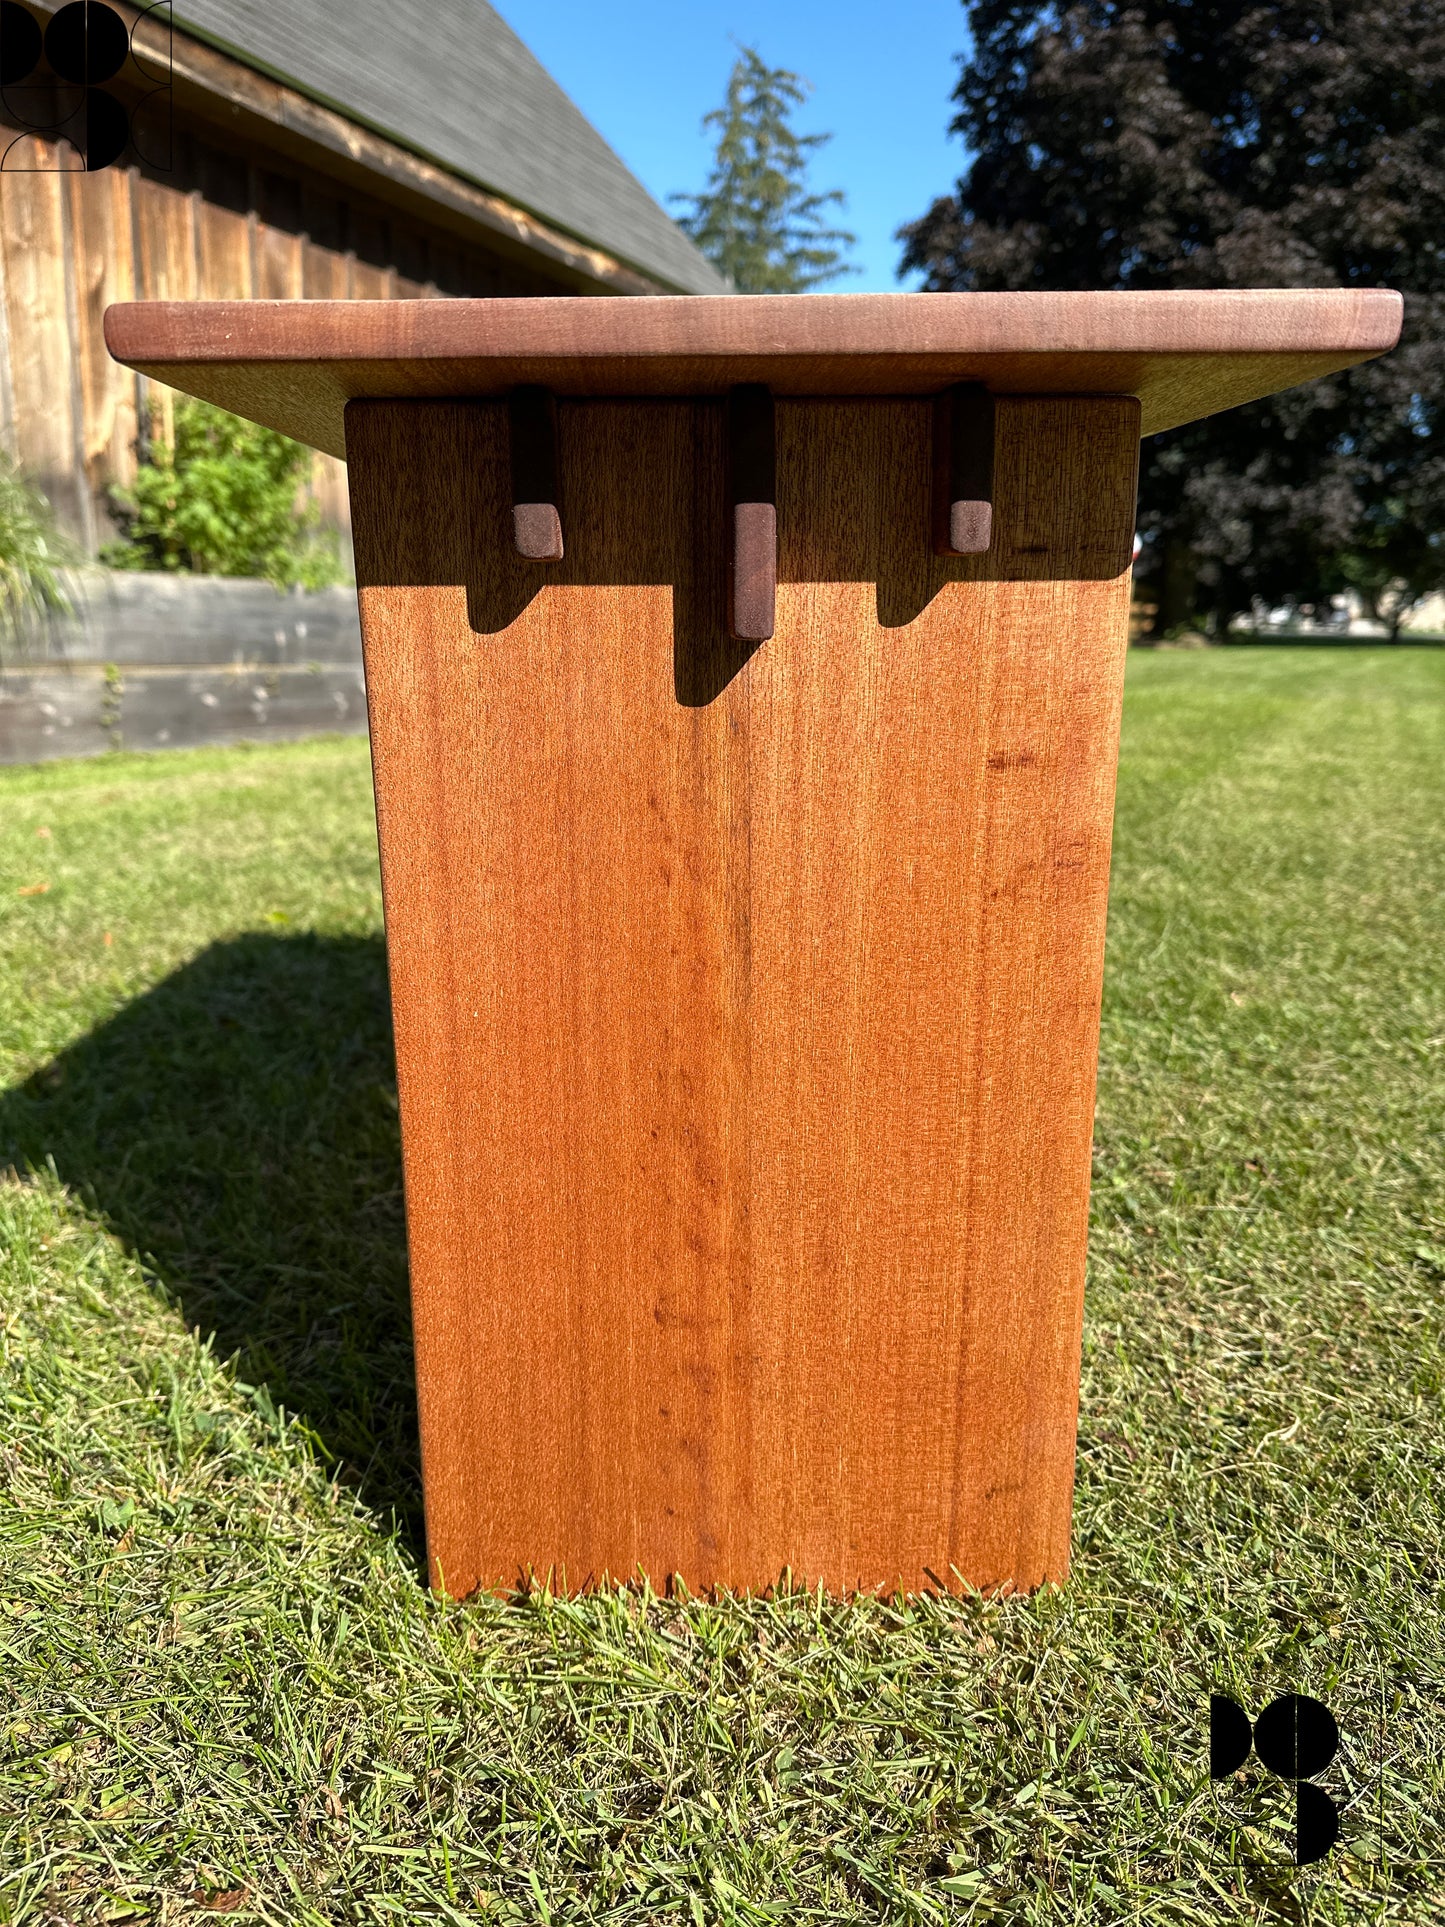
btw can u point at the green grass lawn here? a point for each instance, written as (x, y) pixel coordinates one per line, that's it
(225, 1689)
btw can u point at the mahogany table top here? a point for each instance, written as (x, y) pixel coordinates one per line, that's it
(294, 365)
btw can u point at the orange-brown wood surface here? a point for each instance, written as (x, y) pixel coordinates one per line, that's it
(746, 996)
(295, 365)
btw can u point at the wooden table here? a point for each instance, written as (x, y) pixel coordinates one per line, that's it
(745, 874)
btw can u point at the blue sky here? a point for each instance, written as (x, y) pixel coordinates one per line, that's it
(646, 71)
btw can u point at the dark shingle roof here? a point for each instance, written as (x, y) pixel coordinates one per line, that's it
(450, 80)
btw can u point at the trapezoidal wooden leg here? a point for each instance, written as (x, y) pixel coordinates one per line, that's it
(746, 1047)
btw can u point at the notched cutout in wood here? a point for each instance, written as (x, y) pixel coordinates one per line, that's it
(536, 498)
(963, 438)
(752, 513)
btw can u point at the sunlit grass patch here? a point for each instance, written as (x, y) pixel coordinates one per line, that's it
(228, 1692)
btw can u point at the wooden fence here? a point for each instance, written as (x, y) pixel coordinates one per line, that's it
(218, 225)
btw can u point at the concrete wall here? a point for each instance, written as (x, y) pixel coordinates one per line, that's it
(155, 662)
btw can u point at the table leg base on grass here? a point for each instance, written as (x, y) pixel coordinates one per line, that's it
(744, 677)
(746, 994)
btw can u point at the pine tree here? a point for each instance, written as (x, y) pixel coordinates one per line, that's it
(756, 219)
(1170, 144)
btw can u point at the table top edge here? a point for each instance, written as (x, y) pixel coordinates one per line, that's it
(657, 329)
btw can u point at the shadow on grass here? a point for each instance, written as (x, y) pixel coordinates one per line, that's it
(237, 1128)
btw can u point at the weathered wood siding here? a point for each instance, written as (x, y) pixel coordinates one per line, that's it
(216, 226)
(103, 251)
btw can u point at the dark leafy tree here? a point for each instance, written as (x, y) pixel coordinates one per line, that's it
(757, 218)
(1163, 144)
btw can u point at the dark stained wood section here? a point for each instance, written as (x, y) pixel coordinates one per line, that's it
(536, 488)
(752, 468)
(746, 997)
(294, 367)
(963, 432)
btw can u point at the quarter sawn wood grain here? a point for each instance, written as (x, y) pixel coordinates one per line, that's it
(746, 997)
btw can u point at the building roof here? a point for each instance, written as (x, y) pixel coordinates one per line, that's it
(451, 81)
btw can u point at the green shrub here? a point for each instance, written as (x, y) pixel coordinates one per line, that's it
(223, 501)
(32, 554)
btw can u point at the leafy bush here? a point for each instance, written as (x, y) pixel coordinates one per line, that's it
(32, 554)
(223, 501)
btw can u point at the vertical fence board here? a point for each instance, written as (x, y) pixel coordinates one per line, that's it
(32, 220)
(224, 253)
(277, 200)
(100, 226)
(278, 264)
(224, 208)
(323, 273)
(165, 269)
(7, 386)
(326, 276)
(369, 283)
(85, 523)
(166, 264)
